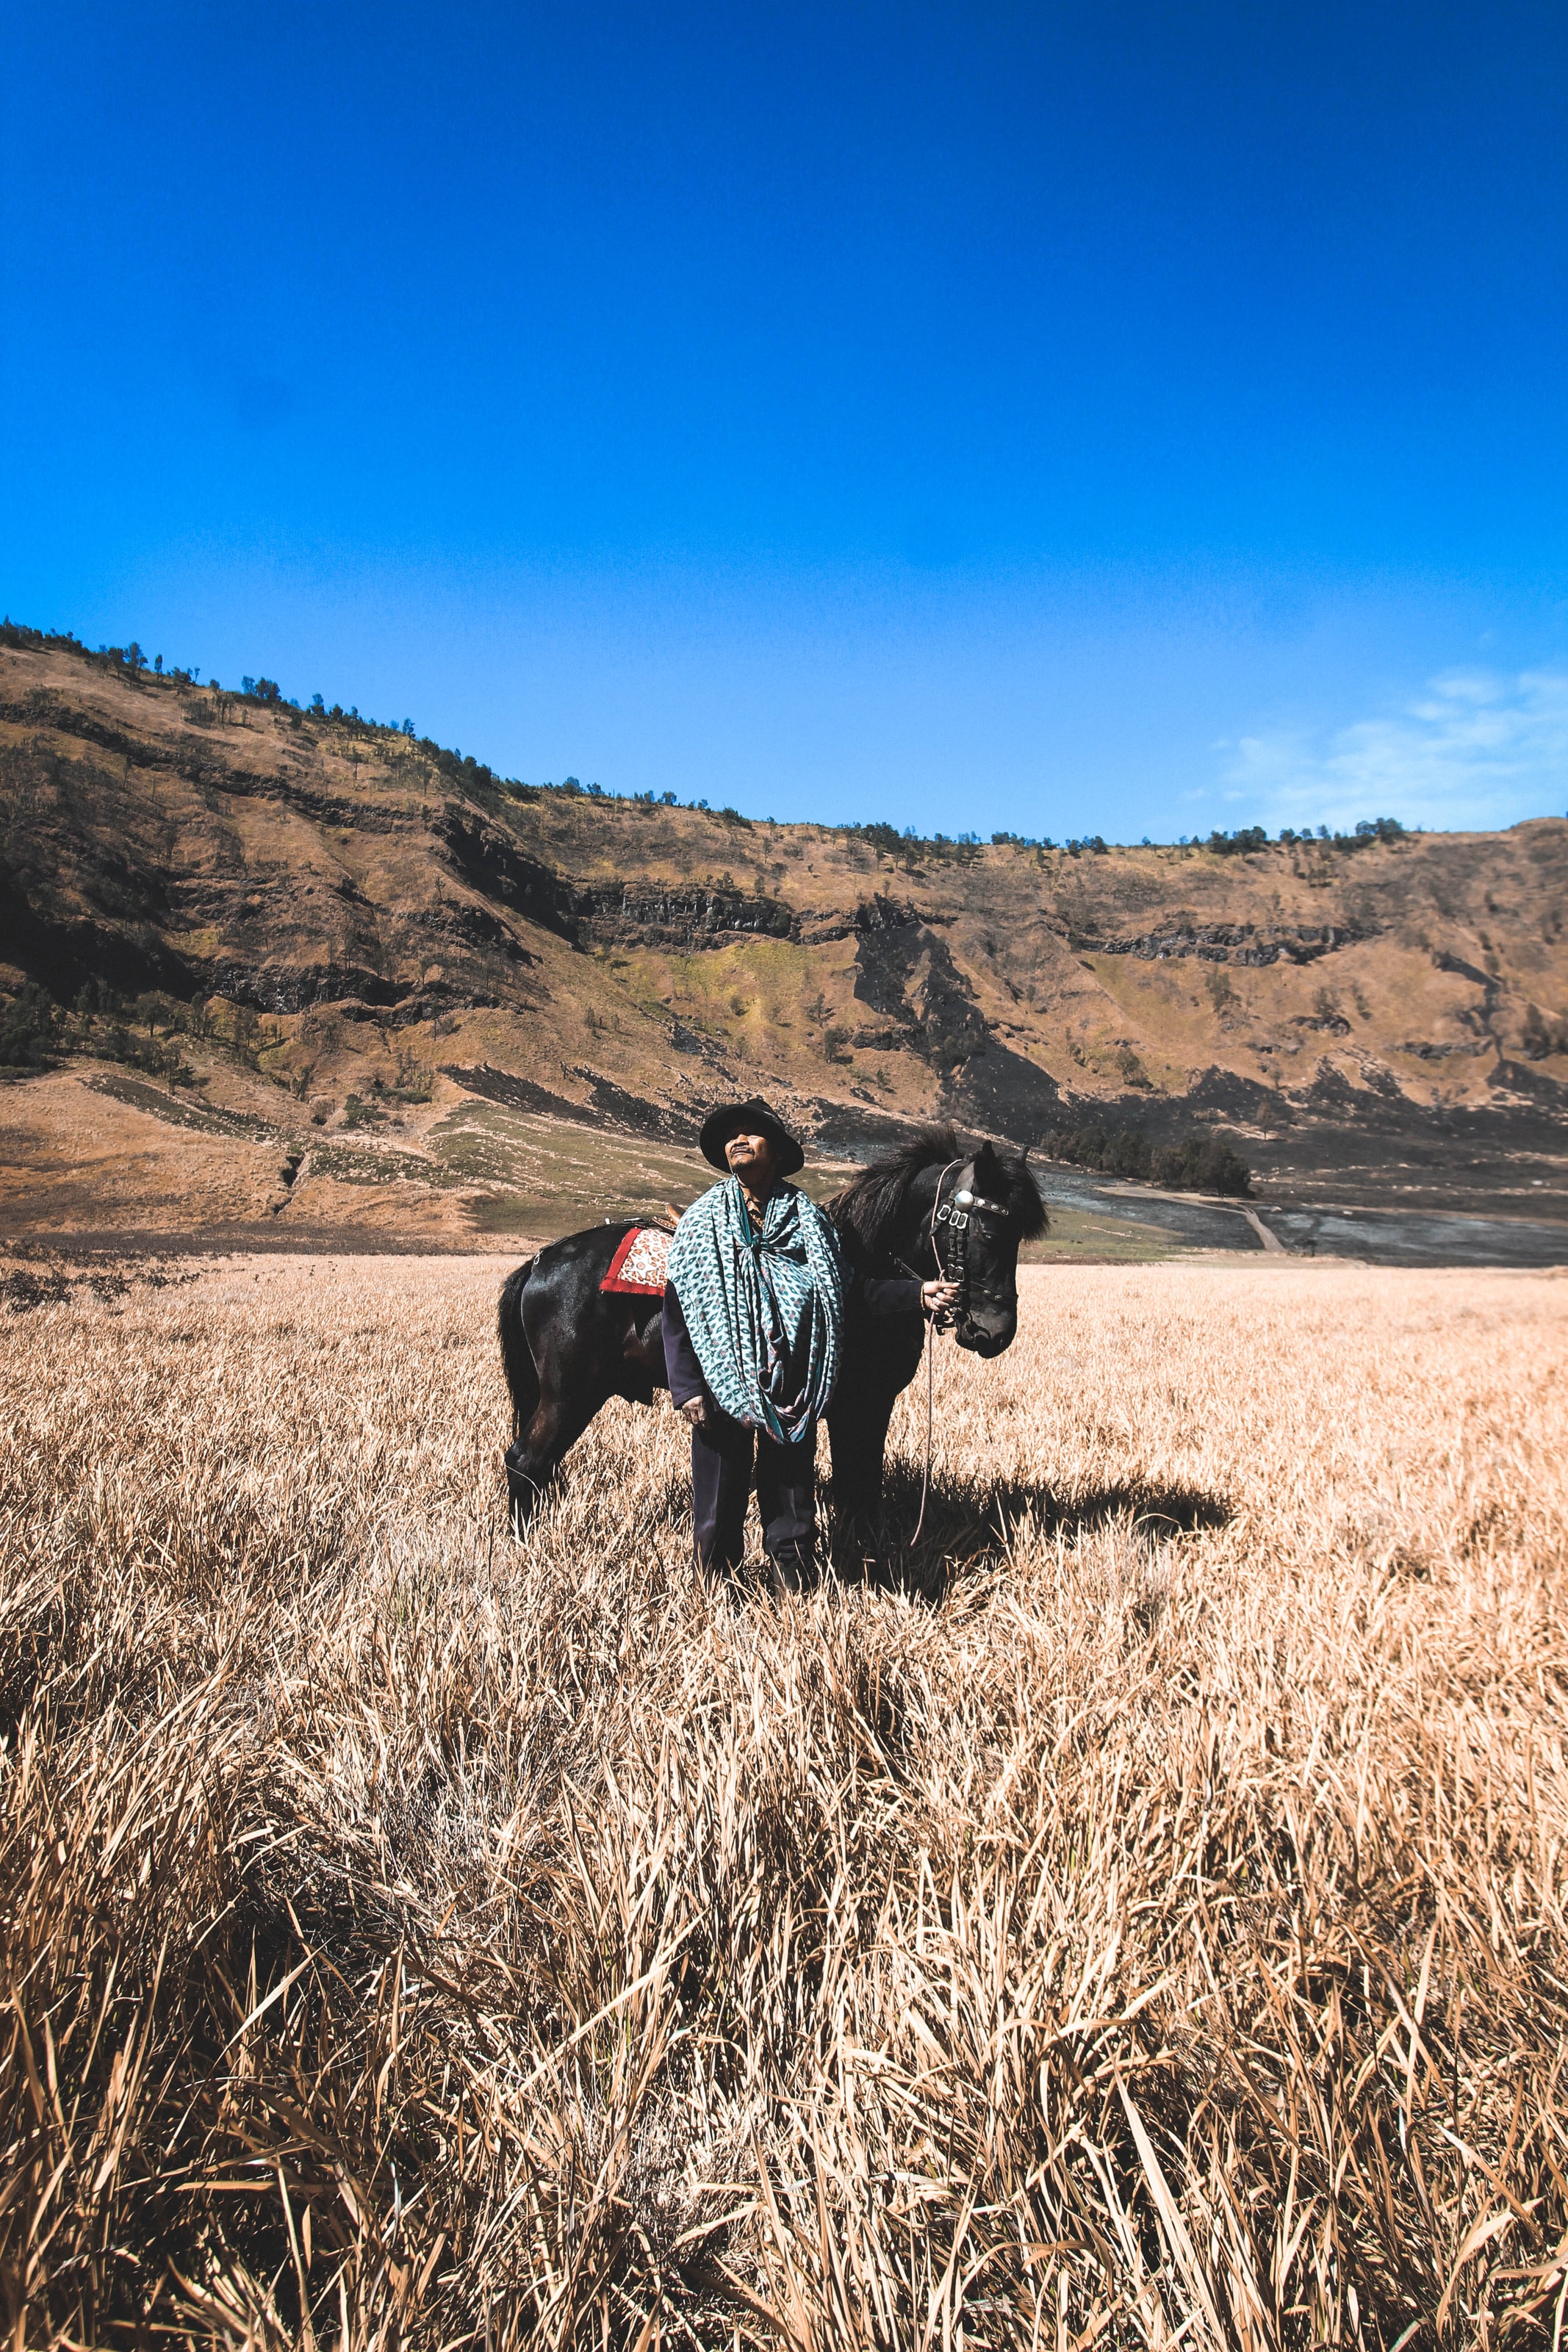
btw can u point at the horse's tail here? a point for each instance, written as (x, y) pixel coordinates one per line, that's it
(516, 1355)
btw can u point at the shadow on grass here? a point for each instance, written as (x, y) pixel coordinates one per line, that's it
(971, 1522)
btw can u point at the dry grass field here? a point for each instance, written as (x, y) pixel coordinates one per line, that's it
(1146, 1927)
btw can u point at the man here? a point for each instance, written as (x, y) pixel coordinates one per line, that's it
(753, 1329)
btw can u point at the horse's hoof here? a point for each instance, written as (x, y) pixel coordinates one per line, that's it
(793, 1568)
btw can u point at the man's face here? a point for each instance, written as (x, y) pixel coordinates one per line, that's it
(751, 1158)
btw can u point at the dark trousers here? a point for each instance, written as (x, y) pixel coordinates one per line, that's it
(721, 1460)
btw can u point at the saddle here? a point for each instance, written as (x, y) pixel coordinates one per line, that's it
(641, 1262)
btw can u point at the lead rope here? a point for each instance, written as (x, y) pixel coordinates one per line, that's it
(930, 1355)
(931, 1388)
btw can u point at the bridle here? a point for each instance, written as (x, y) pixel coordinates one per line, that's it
(949, 1232)
(952, 1223)
(952, 1227)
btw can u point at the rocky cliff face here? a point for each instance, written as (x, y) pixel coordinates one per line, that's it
(384, 905)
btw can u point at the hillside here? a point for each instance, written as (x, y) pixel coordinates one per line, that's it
(384, 971)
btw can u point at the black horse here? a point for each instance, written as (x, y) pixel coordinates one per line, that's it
(929, 1208)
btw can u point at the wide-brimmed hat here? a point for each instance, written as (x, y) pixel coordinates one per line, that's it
(751, 1118)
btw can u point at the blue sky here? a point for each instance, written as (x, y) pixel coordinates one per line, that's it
(1125, 419)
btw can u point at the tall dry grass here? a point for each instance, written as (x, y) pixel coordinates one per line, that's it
(414, 1938)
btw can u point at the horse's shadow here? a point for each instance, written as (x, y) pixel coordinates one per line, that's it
(971, 1524)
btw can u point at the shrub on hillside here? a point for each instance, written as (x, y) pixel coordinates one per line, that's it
(1126, 1154)
(1203, 1163)
(34, 1031)
(29, 1029)
(1080, 1147)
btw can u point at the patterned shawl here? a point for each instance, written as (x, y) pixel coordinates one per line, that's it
(765, 1310)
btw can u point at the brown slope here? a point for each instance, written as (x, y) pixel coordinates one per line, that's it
(390, 909)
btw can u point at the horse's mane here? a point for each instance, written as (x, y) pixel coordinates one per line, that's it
(868, 1208)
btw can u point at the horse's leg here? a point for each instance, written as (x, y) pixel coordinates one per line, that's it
(858, 1436)
(557, 1424)
(575, 1355)
(568, 1347)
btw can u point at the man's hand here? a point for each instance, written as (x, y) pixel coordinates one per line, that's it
(939, 1298)
(695, 1411)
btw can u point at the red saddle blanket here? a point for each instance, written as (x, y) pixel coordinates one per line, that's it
(640, 1263)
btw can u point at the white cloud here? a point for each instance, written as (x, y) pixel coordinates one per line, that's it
(1474, 750)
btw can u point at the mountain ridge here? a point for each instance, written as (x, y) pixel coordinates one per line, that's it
(386, 907)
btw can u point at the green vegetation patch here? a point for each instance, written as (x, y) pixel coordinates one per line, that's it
(204, 1118)
(1084, 1236)
(347, 1166)
(548, 1176)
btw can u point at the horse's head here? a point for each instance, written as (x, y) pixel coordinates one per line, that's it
(982, 1212)
(933, 1207)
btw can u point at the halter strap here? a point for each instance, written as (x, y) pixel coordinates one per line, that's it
(936, 1249)
(935, 1207)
